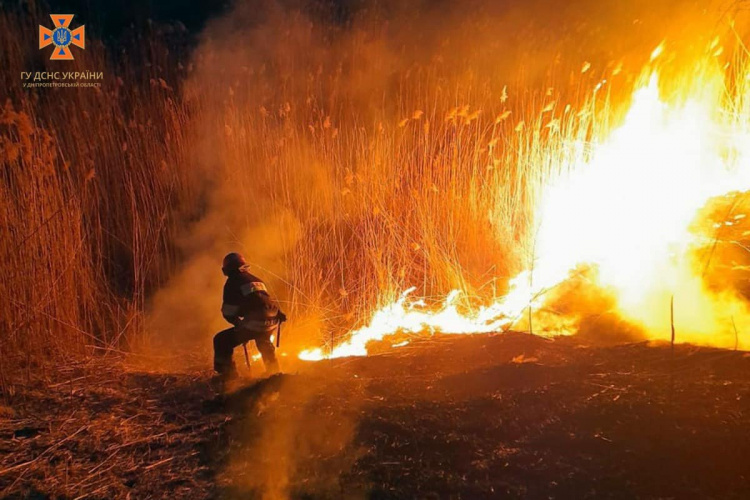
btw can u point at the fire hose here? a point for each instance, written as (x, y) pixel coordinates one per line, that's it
(281, 317)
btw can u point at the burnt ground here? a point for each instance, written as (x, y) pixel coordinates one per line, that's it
(451, 417)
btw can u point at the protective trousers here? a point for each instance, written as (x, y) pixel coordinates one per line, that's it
(226, 340)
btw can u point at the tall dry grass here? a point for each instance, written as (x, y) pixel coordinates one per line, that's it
(348, 172)
(349, 159)
(92, 198)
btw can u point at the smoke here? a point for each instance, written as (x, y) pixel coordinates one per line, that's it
(298, 439)
(344, 146)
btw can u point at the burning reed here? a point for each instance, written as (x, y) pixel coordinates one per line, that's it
(351, 157)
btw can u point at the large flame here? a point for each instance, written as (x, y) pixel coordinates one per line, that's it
(624, 206)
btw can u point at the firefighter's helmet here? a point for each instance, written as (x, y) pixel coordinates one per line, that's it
(232, 262)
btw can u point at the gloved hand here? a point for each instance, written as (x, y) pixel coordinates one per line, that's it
(281, 317)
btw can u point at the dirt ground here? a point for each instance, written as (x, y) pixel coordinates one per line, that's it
(468, 417)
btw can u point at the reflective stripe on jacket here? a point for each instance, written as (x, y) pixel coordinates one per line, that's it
(246, 297)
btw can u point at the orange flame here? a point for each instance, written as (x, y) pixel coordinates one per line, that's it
(624, 206)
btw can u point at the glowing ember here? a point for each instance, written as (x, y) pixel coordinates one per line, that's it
(624, 207)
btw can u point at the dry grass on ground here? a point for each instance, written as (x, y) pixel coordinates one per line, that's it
(104, 432)
(459, 417)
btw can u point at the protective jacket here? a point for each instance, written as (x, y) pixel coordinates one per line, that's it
(246, 299)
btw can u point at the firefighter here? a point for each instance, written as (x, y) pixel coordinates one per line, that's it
(254, 314)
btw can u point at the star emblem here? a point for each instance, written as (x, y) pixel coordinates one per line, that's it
(62, 37)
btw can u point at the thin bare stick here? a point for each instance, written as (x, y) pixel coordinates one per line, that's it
(671, 318)
(160, 462)
(33, 460)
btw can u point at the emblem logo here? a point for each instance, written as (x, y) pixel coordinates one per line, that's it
(62, 37)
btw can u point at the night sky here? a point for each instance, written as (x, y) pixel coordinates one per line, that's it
(110, 18)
